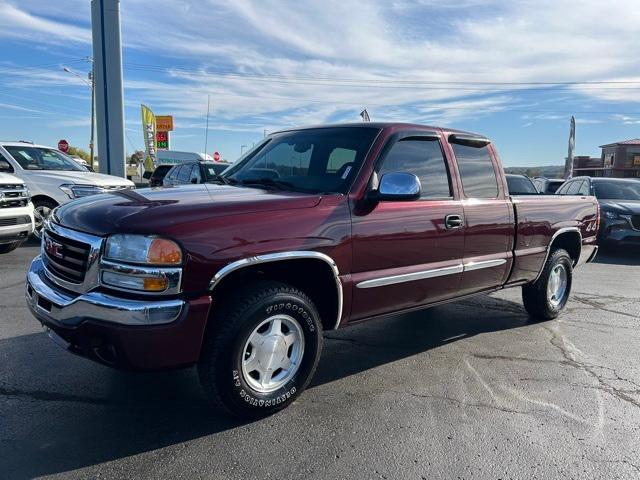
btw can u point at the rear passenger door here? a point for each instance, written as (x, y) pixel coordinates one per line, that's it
(488, 215)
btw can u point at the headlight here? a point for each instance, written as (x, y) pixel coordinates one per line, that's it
(79, 191)
(611, 215)
(142, 249)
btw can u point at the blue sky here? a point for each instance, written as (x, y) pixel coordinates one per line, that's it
(271, 64)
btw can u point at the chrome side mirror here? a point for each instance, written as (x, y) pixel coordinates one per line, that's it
(396, 186)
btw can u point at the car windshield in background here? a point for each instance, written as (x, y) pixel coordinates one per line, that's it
(35, 158)
(314, 160)
(520, 186)
(212, 170)
(617, 190)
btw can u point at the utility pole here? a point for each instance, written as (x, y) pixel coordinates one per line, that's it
(90, 83)
(109, 94)
(206, 135)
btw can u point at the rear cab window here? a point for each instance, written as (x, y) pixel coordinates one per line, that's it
(475, 165)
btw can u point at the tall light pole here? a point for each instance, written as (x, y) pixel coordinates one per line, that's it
(90, 83)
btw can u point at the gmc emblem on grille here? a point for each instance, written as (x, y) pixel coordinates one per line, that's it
(53, 248)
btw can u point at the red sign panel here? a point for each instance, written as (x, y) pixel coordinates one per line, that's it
(63, 146)
(216, 156)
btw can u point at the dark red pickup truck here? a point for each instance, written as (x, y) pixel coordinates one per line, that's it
(312, 230)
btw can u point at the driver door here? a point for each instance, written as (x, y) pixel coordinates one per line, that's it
(409, 253)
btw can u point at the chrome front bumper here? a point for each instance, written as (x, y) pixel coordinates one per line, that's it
(50, 303)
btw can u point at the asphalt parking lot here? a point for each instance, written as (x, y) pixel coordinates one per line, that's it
(467, 390)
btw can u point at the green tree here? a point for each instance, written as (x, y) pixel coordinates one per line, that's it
(78, 152)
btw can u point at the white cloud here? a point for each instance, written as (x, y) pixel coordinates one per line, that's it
(21, 24)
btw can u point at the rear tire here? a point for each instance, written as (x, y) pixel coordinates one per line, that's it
(547, 297)
(10, 247)
(261, 350)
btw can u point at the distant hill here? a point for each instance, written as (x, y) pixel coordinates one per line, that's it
(549, 171)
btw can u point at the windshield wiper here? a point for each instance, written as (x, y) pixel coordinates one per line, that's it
(269, 182)
(222, 180)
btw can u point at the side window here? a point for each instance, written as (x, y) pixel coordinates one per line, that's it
(183, 174)
(584, 188)
(424, 158)
(574, 187)
(563, 189)
(173, 174)
(195, 174)
(476, 171)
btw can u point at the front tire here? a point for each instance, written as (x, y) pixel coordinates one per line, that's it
(261, 351)
(41, 211)
(547, 297)
(10, 247)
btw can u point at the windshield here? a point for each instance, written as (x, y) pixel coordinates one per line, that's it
(612, 190)
(520, 186)
(35, 158)
(212, 170)
(314, 160)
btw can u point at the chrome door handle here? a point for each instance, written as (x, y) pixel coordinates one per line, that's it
(453, 221)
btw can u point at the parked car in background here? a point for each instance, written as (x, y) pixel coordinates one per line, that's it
(619, 200)
(156, 178)
(547, 185)
(312, 230)
(520, 185)
(52, 177)
(16, 213)
(194, 172)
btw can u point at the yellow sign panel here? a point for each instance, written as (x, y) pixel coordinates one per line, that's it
(164, 123)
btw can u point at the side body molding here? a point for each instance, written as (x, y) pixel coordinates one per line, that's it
(280, 257)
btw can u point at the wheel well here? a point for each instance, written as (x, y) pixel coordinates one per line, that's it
(313, 276)
(569, 241)
(36, 198)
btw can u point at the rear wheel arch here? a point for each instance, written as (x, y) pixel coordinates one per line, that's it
(570, 240)
(314, 273)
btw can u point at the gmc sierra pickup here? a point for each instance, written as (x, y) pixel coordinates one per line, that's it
(314, 229)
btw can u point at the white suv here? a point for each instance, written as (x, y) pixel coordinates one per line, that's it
(16, 213)
(53, 177)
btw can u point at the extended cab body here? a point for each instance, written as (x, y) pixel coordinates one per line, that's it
(16, 213)
(52, 177)
(314, 229)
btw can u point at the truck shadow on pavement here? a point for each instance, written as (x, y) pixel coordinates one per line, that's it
(61, 413)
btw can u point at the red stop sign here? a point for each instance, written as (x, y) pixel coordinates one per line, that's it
(216, 156)
(63, 146)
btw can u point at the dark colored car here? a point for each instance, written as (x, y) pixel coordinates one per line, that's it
(194, 172)
(547, 185)
(156, 178)
(520, 185)
(619, 200)
(314, 229)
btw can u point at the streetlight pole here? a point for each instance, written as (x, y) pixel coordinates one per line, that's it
(91, 84)
(242, 147)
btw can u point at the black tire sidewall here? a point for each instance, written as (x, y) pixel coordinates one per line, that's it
(558, 257)
(231, 385)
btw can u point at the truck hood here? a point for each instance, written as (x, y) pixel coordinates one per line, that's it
(10, 179)
(160, 210)
(78, 177)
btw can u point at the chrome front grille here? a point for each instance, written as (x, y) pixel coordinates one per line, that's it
(13, 195)
(65, 258)
(70, 258)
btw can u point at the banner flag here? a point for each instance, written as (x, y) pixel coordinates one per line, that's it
(149, 131)
(568, 166)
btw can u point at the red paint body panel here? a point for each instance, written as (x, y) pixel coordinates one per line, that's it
(217, 225)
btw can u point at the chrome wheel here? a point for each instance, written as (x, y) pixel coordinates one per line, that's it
(557, 286)
(273, 353)
(40, 214)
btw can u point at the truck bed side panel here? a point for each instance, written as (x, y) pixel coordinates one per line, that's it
(538, 219)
